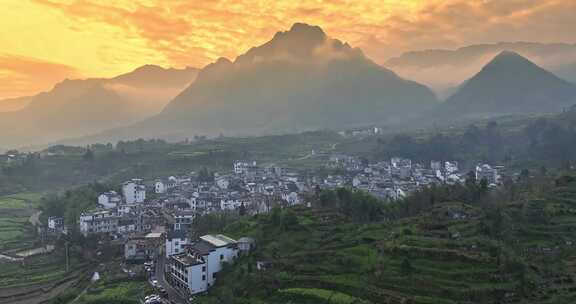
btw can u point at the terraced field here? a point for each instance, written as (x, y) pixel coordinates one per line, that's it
(33, 279)
(452, 253)
(114, 291)
(15, 229)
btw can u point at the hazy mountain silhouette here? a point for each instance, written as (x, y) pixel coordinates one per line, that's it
(14, 104)
(443, 69)
(300, 79)
(510, 84)
(80, 107)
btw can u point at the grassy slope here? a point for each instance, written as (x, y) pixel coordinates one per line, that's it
(327, 259)
(15, 230)
(58, 172)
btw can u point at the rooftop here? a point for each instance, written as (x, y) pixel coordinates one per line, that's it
(154, 235)
(218, 240)
(187, 259)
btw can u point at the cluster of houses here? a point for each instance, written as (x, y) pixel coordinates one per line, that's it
(160, 223)
(393, 179)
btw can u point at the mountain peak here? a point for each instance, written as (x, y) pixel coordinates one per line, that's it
(148, 67)
(510, 83)
(307, 30)
(301, 43)
(509, 58)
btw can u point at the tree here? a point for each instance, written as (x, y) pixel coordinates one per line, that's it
(483, 185)
(276, 216)
(88, 155)
(289, 220)
(406, 267)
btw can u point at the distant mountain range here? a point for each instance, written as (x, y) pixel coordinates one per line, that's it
(509, 84)
(300, 79)
(81, 107)
(443, 69)
(14, 104)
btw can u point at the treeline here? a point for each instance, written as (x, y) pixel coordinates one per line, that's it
(478, 143)
(359, 206)
(70, 204)
(544, 141)
(362, 207)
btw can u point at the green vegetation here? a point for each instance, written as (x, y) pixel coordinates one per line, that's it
(515, 245)
(36, 270)
(113, 291)
(70, 204)
(523, 143)
(20, 200)
(15, 228)
(63, 167)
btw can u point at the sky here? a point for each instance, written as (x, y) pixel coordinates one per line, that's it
(46, 41)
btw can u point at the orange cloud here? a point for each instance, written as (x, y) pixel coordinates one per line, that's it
(21, 76)
(107, 37)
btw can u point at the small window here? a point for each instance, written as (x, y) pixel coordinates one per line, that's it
(221, 257)
(203, 268)
(203, 277)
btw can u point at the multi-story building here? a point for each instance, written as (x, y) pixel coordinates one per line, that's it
(176, 242)
(485, 171)
(134, 191)
(109, 200)
(183, 219)
(56, 225)
(194, 271)
(164, 185)
(102, 221)
(143, 247)
(242, 167)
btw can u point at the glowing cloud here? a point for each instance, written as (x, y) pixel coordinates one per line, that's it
(108, 37)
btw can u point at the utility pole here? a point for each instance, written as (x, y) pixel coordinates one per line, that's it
(67, 257)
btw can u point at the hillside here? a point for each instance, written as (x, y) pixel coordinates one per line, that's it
(299, 80)
(80, 107)
(520, 251)
(443, 69)
(510, 84)
(13, 104)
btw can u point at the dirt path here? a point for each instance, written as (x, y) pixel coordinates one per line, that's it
(35, 218)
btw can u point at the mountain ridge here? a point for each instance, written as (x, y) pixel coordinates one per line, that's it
(301, 79)
(78, 107)
(444, 69)
(511, 84)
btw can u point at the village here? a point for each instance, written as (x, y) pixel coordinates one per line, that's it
(153, 219)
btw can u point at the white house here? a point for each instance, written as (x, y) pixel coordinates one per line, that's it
(242, 167)
(194, 271)
(451, 166)
(176, 242)
(485, 171)
(246, 244)
(183, 219)
(164, 185)
(291, 198)
(142, 247)
(232, 204)
(56, 225)
(103, 221)
(134, 191)
(222, 182)
(109, 200)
